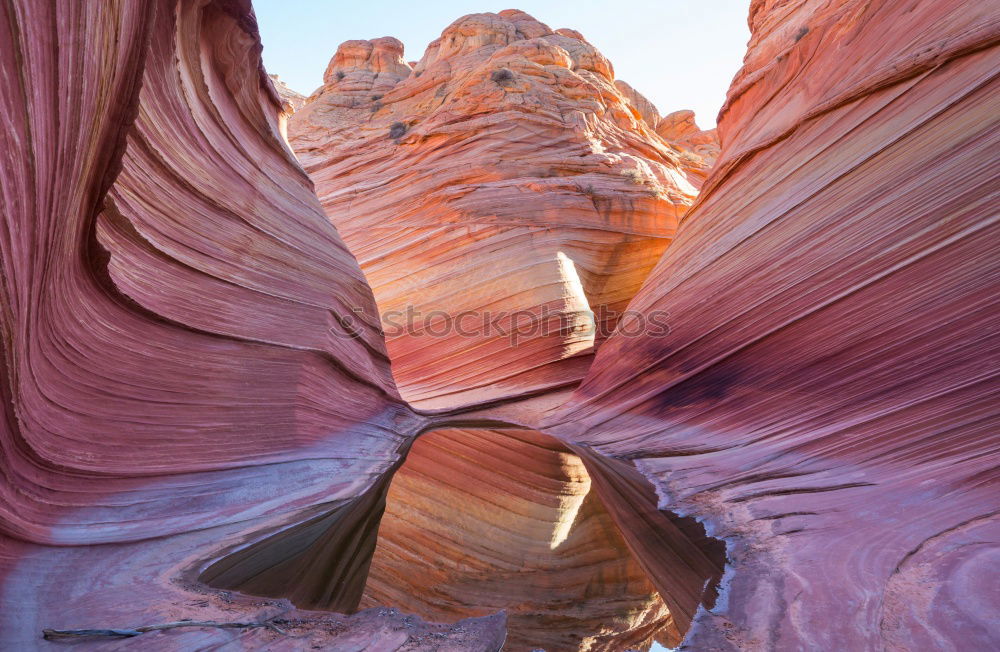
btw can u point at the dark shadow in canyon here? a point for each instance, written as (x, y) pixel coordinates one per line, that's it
(472, 521)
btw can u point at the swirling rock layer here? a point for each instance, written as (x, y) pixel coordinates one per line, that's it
(194, 373)
(826, 398)
(157, 244)
(195, 387)
(502, 190)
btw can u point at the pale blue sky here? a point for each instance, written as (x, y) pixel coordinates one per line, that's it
(681, 54)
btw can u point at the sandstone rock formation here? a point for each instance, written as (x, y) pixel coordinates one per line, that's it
(200, 423)
(435, 175)
(646, 109)
(825, 400)
(194, 379)
(699, 148)
(159, 239)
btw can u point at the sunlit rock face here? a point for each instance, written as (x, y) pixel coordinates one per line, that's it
(504, 183)
(826, 398)
(699, 148)
(696, 148)
(516, 525)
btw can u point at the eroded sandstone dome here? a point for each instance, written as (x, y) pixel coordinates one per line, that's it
(506, 188)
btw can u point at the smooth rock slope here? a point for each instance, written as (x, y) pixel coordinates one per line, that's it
(159, 240)
(826, 399)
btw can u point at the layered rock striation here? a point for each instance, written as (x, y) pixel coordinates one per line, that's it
(159, 239)
(502, 190)
(200, 423)
(826, 397)
(196, 388)
(699, 148)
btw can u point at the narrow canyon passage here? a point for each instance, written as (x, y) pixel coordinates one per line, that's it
(475, 521)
